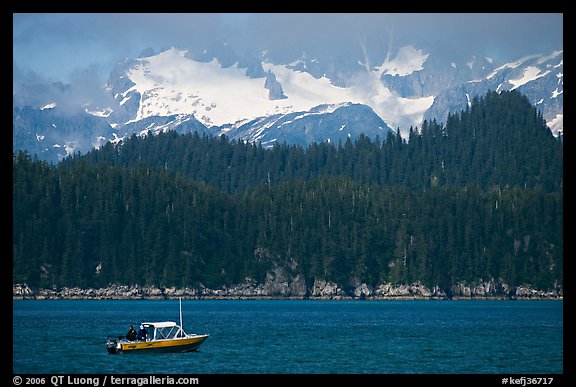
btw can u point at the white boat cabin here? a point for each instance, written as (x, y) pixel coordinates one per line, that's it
(163, 330)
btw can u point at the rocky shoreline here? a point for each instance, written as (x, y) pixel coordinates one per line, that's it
(321, 290)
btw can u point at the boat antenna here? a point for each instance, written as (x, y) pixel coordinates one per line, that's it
(180, 299)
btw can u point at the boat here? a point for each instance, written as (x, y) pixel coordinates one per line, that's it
(160, 336)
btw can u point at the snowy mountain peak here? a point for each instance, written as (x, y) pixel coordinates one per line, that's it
(171, 82)
(258, 97)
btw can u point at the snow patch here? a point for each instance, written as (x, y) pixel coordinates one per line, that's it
(100, 113)
(530, 73)
(407, 61)
(126, 99)
(48, 106)
(116, 139)
(548, 57)
(511, 65)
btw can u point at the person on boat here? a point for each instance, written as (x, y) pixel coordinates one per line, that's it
(142, 333)
(131, 335)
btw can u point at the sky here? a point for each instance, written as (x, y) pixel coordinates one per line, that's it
(67, 46)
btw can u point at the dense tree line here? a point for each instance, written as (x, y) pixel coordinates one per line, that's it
(477, 198)
(500, 140)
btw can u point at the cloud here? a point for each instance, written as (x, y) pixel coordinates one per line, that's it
(84, 89)
(58, 44)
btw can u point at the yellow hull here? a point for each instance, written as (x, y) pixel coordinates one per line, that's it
(185, 344)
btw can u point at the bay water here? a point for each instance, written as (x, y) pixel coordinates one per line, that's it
(296, 337)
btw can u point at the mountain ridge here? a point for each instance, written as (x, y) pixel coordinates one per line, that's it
(224, 91)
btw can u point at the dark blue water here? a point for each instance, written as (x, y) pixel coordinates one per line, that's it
(296, 337)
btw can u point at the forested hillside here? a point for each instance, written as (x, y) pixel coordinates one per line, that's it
(477, 198)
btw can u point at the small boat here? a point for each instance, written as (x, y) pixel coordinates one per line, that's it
(161, 336)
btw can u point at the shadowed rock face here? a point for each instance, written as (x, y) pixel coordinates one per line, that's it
(274, 87)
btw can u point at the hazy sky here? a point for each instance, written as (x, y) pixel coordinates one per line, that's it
(57, 46)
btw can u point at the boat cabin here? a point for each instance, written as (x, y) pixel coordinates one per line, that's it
(162, 330)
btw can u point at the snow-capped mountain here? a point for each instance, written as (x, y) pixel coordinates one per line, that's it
(334, 123)
(539, 77)
(173, 82)
(51, 135)
(257, 97)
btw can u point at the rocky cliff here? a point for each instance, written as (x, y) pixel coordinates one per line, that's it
(280, 284)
